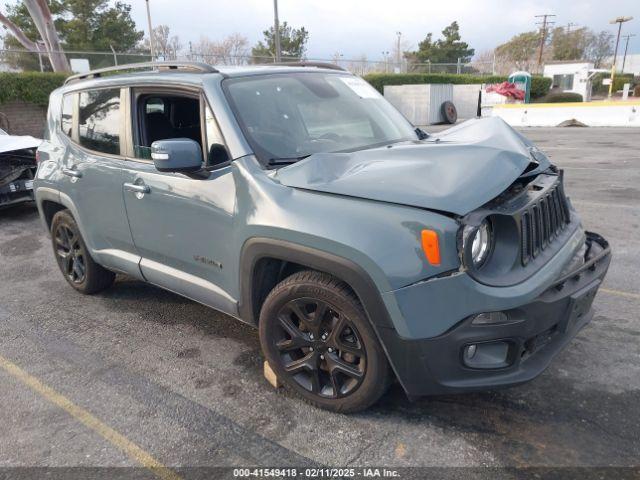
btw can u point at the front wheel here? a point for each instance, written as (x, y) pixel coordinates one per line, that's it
(319, 342)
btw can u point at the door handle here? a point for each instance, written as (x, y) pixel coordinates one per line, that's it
(70, 172)
(132, 187)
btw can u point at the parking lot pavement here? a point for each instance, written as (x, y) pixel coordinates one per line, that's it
(182, 384)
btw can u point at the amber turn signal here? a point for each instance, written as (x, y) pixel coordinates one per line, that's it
(431, 247)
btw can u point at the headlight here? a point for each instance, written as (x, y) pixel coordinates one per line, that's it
(480, 242)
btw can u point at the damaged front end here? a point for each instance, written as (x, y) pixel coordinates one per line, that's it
(17, 169)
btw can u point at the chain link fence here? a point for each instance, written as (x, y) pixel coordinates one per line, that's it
(25, 61)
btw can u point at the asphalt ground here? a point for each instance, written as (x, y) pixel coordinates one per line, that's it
(140, 377)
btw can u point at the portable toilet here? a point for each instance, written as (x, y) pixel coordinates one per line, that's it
(522, 80)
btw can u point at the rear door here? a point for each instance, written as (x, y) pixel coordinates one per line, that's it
(92, 174)
(181, 226)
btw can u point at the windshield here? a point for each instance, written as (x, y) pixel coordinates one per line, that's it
(290, 116)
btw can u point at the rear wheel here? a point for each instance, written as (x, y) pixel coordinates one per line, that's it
(318, 340)
(73, 258)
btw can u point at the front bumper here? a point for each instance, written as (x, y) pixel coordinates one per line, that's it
(533, 334)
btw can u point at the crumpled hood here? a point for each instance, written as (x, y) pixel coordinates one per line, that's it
(10, 143)
(456, 170)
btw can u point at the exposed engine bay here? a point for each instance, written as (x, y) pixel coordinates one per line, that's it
(17, 168)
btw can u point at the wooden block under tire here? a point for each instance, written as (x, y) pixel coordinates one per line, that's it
(271, 376)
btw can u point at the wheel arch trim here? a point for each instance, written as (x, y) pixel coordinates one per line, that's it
(356, 277)
(257, 248)
(44, 194)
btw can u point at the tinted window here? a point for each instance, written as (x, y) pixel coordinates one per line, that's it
(99, 120)
(66, 123)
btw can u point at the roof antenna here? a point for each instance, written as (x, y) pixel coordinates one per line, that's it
(479, 111)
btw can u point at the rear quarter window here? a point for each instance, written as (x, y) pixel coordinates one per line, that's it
(99, 120)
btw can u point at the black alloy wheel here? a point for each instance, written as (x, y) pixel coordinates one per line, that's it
(74, 258)
(320, 348)
(319, 342)
(70, 254)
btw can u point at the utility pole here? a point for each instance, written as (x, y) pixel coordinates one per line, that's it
(543, 33)
(626, 47)
(619, 21)
(399, 59)
(569, 25)
(276, 30)
(151, 45)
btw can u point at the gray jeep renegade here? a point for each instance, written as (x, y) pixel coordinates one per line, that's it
(296, 199)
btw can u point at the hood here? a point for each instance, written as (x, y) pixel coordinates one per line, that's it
(455, 171)
(10, 143)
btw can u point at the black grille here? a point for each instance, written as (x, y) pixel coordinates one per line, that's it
(542, 222)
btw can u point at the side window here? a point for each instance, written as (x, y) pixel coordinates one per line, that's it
(66, 122)
(100, 120)
(165, 116)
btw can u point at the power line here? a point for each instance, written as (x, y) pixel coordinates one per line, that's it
(544, 24)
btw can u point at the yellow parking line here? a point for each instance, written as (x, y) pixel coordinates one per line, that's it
(82, 415)
(621, 293)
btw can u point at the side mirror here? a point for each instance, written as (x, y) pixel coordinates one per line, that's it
(181, 155)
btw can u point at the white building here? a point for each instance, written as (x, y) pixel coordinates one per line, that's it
(571, 77)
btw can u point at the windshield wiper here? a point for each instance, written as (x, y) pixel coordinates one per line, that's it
(286, 161)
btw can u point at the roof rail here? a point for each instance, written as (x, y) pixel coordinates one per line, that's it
(330, 66)
(195, 66)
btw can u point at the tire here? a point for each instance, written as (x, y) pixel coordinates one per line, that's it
(74, 260)
(449, 112)
(341, 345)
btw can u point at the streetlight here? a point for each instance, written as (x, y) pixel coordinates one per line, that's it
(619, 21)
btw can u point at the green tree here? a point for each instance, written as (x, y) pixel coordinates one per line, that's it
(87, 25)
(448, 49)
(520, 51)
(293, 44)
(570, 45)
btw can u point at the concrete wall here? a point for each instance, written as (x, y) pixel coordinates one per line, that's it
(465, 98)
(420, 104)
(592, 114)
(24, 118)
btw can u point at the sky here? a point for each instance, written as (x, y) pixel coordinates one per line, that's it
(356, 27)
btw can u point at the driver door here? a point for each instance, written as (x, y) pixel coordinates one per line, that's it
(181, 225)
